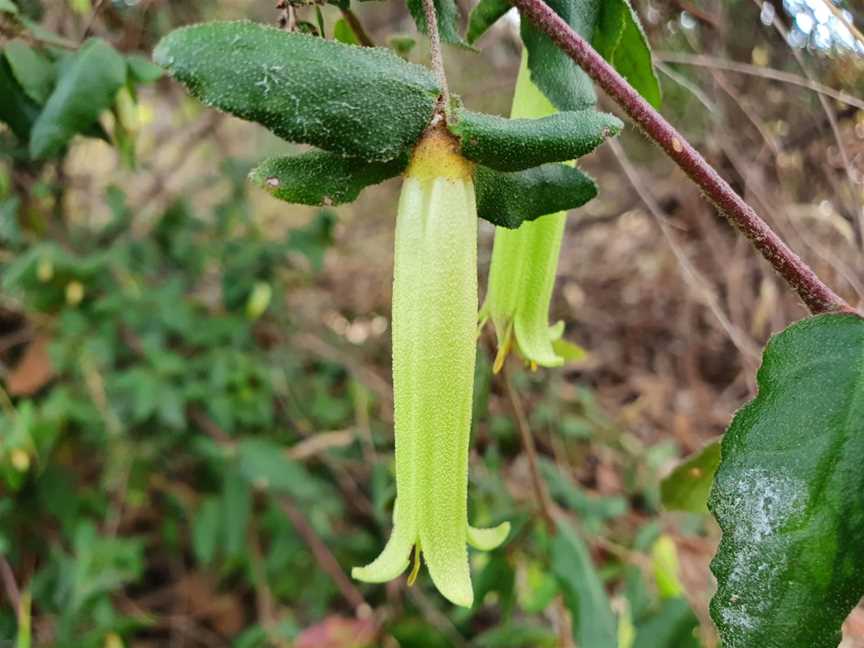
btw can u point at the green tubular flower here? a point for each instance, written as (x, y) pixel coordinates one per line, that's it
(524, 264)
(434, 325)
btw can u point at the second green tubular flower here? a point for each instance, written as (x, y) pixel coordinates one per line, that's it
(524, 265)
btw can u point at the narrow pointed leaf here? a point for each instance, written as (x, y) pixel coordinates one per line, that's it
(593, 621)
(321, 177)
(87, 85)
(788, 493)
(517, 144)
(620, 39)
(687, 487)
(485, 14)
(507, 199)
(16, 109)
(33, 71)
(363, 102)
(448, 19)
(557, 76)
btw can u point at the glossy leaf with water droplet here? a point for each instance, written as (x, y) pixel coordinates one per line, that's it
(789, 493)
(362, 102)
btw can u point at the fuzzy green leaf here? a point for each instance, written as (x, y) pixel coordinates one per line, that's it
(448, 19)
(555, 73)
(16, 109)
(358, 101)
(485, 14)
(7, 6)
(593, 621)
(517, 144)
(87, 85)
(620, 39)
(788, 493)
(321, 177)
(687, 487)
(34, 72)
(507, 199)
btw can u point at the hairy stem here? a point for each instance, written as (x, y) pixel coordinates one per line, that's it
(818, 297)
(436, 53)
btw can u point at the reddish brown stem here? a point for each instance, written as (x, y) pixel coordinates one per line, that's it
(818, 297)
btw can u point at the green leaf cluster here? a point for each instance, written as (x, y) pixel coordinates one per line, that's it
(365, 109)
(52, 95)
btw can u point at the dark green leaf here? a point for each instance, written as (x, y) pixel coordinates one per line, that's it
(448, 19)
(343, 33)
(360, 101)
(235, 513)
(485, 14)
(507, 199)
(86, 87)
(313, 240)
(517, 635)
(674, 626)
(788, 493)
(687, 487)
(322, 178)
(593, 622)
(265, 465)
(619, 37)
(34, 72)
(205, 531)
(17, 109)
(557, 76)
(517, 144)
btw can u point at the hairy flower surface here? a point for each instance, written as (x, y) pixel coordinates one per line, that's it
(434, 327)
(524, 264)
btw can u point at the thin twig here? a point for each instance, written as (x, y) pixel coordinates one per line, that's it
(717, 63)
(357, 27)
(323, 557)
(13, 592)
(89, 28)
(544, 504)
(739, 338)
(818, 297)
(832, 122)
(436, 53)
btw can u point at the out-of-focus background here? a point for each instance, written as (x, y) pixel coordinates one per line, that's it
(195, 397)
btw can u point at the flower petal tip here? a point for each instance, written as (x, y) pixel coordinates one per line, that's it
(488, 539)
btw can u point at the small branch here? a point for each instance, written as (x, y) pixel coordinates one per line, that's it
(818, 297)
(436, 53)
(357, 27)
(10, 585)
(715, 63)
(326, 561)
(544, 504)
